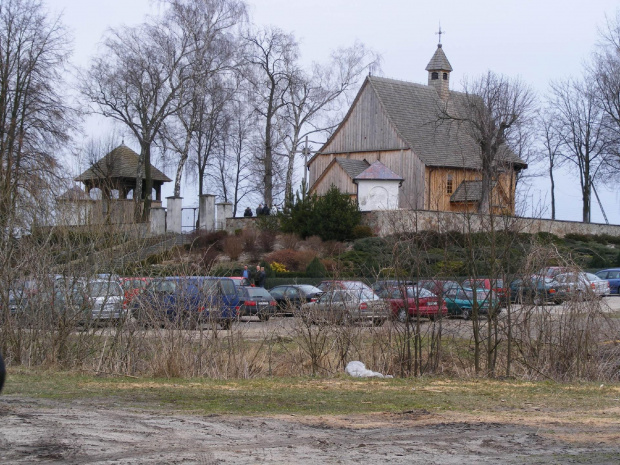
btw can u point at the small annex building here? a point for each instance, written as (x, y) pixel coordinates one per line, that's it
(434, 165)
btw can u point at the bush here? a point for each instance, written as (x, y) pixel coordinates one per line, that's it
(361, 231)
(315, 269)
(233, 247)
(203, 240)
(289, 241)
(293, 260)
(267, 240)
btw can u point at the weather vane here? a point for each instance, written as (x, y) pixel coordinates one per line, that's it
(440, 32)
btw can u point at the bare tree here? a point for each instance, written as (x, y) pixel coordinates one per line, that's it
(552, 143)
(604, 71)
(273, 55)
(312, 97)
(35, 120)
(209, 25)
(585, 138)
(138, 80)
(494, 110)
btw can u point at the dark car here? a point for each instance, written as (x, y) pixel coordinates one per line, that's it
(496, 286)
(537, 290)
(612, 276)
(255, 301)
(290, 297)
(464, 302)
(383, 286)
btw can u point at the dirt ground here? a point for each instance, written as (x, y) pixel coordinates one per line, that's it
(51, 432)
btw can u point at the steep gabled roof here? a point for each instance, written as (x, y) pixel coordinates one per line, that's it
(122, 162)
(439, 62)
(352, 167)
(413, 109)
(379, 172)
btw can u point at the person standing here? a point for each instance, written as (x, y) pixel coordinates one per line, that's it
(247, 213)
(261, 277)
(259, 210)
(257, 276)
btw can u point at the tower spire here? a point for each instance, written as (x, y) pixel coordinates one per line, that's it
(439, 32)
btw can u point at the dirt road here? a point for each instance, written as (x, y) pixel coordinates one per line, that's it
(41, 431)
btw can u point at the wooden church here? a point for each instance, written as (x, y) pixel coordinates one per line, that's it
(391, 151)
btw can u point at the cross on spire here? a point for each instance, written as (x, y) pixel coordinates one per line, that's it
(440, 32)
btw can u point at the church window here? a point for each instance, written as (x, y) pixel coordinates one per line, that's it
(445, 76)
(434, 76)
(449, 186)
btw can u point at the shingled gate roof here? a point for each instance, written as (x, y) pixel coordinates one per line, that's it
(413, 110)
(122, 162)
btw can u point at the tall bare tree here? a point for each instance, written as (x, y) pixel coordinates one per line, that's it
(138, 80)
(35, 121)
(273, 55)
(552, 144)
(586, 140)
(494, 111)
(210, 25)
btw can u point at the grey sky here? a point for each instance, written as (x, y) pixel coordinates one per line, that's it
(538, 41)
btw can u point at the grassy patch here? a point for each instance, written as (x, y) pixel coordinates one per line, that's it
(315, 396)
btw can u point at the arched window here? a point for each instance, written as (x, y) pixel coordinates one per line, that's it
(434, 75)
(445, 76)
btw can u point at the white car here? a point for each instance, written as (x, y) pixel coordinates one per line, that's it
(107, 298)
(582, 283)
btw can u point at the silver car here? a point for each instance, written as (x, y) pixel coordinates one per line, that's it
(106, 298)
(581, 284)
(346, 306)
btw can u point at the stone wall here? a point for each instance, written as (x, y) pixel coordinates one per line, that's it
(384, 223)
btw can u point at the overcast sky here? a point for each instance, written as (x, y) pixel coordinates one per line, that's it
(538, 41)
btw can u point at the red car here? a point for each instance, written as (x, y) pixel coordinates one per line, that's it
(133, 287)
(411, 301)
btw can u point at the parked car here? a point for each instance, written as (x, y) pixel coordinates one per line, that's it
(384, 286)
(553, 271)
(106, 298)
(56, 306)
(496, 286)
(255, 301)
(334, 284)
(290, 297)
(438, 286)
(582, 285)
(189, 300)
(346, 306)
(462, 301)
(133, 287)
(407, 302)
(241, 281)
(537, 290)
(612, 276)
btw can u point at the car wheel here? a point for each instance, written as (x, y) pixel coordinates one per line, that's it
(378, 321)
(226, 324)
(538, 301)
(402, 316)
(466, 313)
(263, 317)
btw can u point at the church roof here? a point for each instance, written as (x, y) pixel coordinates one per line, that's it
(469, 191)
(439, 61)
(122, 162)
(413, 110)
(378, 171)
(352, 167)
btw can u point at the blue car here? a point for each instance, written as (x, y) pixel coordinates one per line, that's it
(188, 301)
(612, 275)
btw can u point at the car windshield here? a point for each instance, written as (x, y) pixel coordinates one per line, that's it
(307, 289)
(134, 284)
(257, 292)
(163, 285)
(591, 277)
(480, 295)
(104, 289)
(421, 293)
